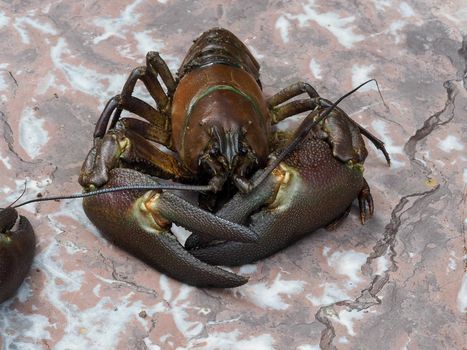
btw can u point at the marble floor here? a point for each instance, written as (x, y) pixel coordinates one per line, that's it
(398, 282)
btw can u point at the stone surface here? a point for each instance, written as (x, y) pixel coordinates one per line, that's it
(398, 282)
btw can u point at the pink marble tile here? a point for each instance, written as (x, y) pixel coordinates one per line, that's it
(397, 282)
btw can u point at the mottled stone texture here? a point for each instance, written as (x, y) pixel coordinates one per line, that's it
(398, 282)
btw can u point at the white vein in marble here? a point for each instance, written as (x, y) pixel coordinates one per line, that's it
(362, 73)
(231, 341)
(406, 10)
(32, 134)
(118, 26)
(6, 161)
(283, 25)
(22, 23)
(4, 19)
(347, 319)
(341, 27)
(270, 295)
(451, 143)
(84, 79)
(462, 294)
(315, 68)
(348, 263)
(308, 347)
(331, 293)
(146, 41)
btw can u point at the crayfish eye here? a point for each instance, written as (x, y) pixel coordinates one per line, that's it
(242, 150)
(214, 152)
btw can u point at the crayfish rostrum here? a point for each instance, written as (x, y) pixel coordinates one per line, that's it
(262, 188)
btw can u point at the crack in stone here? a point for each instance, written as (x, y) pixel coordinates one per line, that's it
(463, 54)
(369, 296)
(118, 278)
(464, 199)
(431, 124)
(14, 79)
(10, 140)
(141, 345)
(328, 333)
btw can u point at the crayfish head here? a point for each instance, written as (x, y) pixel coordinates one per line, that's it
(229, 157)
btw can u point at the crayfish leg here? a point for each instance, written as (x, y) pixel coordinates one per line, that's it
(365, 202)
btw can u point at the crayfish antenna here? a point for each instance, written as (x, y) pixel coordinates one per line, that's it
(20, 196)
(380, 93)
(169, 186)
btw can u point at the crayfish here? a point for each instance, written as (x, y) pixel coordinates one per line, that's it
(213, 131)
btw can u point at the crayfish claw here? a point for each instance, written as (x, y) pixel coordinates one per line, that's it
(243, 184)
(140, 223)
(192, 241)
(17, 244)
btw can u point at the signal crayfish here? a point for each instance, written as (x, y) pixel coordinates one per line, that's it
(212, 131)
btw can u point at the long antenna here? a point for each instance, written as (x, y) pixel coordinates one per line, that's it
(21, 195)
(119, 189)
